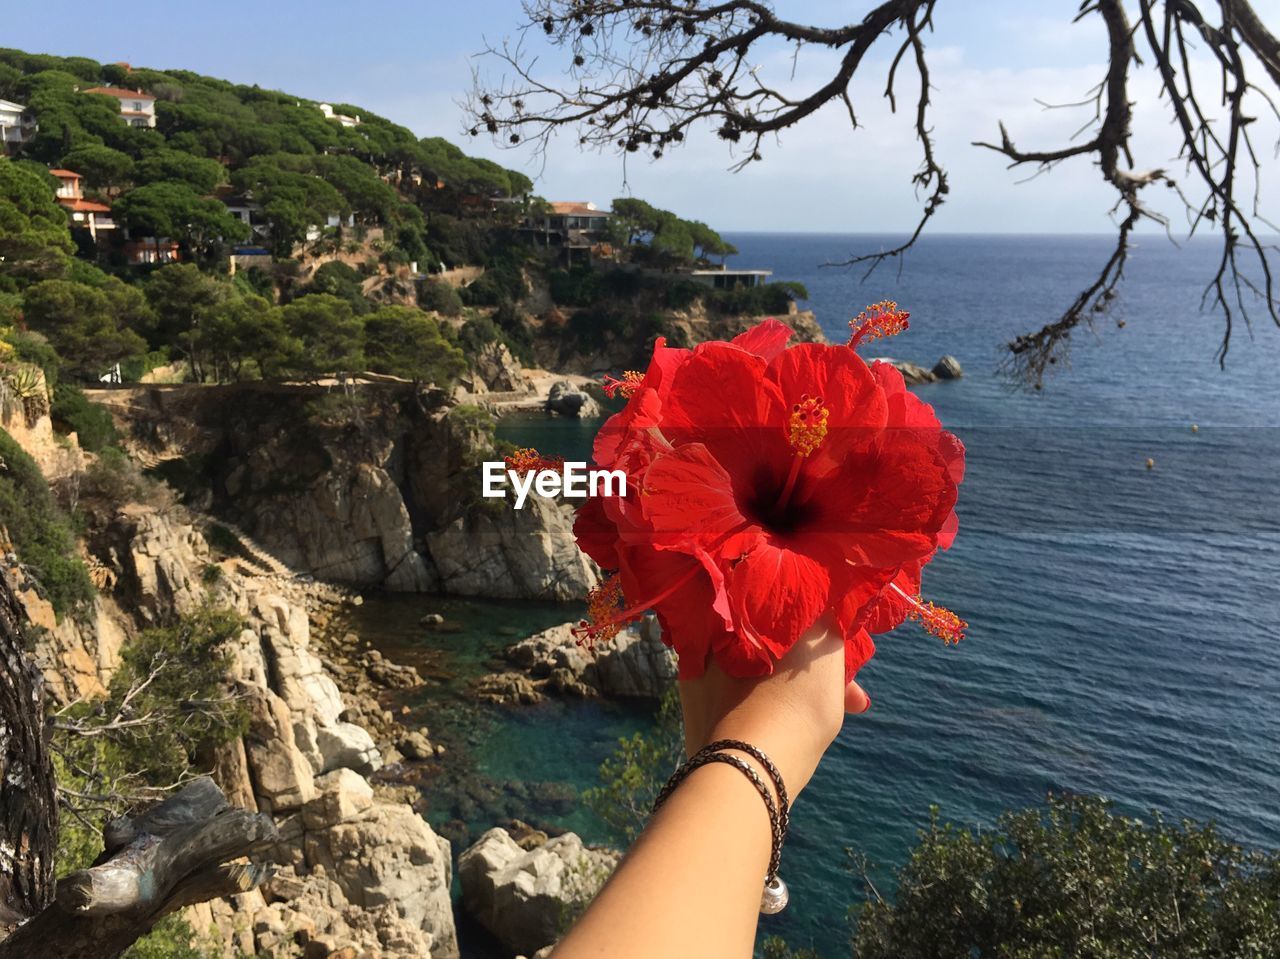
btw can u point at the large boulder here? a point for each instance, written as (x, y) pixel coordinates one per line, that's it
(913, 373)
(568, 400)
(948, 368)
(504, 553)
(527, 897)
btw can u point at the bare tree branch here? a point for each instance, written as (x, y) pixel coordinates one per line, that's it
(640, 76)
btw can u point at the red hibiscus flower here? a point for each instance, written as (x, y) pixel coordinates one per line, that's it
(768, 487)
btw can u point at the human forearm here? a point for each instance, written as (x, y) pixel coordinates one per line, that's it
(691, 885)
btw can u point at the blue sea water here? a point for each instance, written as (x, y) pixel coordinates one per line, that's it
(1123, 621)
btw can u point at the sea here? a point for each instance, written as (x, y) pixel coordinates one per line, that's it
(1123, 617)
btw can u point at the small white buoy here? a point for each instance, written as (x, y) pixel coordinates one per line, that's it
(1195, 428)
(1151, 464)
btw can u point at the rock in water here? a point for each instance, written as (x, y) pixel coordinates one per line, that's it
(524, 897)
(948, 368)
(913, 373)
(567, 400)
(633, 665)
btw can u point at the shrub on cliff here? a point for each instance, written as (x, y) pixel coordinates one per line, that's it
(1076, 879)
(439, 297)
(92, 424)
(39, 532)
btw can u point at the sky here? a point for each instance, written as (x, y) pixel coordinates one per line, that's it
(412, 63)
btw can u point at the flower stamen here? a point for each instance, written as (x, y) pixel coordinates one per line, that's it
(807, 427)
(528, 460)
(937, 620)
(877, 321)
(608, 613)
(625, 386)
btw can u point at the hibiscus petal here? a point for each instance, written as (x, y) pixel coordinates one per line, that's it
(766, 339)
(688, 496)
(777, 595)
(597, 536)
(858, 649)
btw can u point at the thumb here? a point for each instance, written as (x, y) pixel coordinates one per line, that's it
(856, 699)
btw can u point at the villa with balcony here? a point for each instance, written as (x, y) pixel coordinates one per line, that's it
(17, 126)
(137, 109)
(577, 228)
(85, 214)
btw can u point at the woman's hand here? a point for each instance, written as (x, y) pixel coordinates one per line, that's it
(793, 715)
(691, 885)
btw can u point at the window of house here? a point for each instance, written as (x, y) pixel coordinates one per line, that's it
(137, 106)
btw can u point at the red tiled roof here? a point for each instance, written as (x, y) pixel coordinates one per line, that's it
(575, 208)
(87, 206)
(65, 174)
(120, 93)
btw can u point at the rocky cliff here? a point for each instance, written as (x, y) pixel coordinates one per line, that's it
(376, 487)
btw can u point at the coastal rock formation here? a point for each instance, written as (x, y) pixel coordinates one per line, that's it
(512, 554)
(495, 370)
(634, 665)
(357, 871)
(376, 488)
(947, 368)
(567, 400)
(527, 897)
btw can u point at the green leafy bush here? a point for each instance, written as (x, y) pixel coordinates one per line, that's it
(631, 778)
(1077, 880)
(767, 298)
(41, 533)
(439, 297)
(72, 412)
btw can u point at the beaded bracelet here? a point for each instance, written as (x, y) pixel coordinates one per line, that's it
(775, 896)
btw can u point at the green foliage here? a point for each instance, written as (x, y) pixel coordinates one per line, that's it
(502, 282)
(403, 341)
(768, 298)
(72, 412)
(1077, 880)
(439, 297)
(41, 533)
(177, 166)
(330, 334)
(102, 167)
(34, 239)
(172, 679)
(579, 286)
(631, 778)
(661, 237)
(172, 938)
(774, 947)
(338, 279)
(169, 208)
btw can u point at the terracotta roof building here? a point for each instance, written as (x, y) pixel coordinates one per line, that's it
(86, 214)
(137, 108)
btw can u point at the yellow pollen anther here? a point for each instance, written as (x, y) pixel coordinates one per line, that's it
(808, 425)
(624, 386)
(876, 321)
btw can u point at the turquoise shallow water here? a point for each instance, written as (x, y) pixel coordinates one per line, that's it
(1122, 635)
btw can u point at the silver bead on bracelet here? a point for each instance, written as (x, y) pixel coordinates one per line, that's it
(775, 896)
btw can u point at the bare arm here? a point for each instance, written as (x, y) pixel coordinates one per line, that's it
(691, 885)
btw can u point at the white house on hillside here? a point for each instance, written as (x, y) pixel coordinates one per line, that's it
(16, 125)
(138, 109)
(342, 118)
(87, 214)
